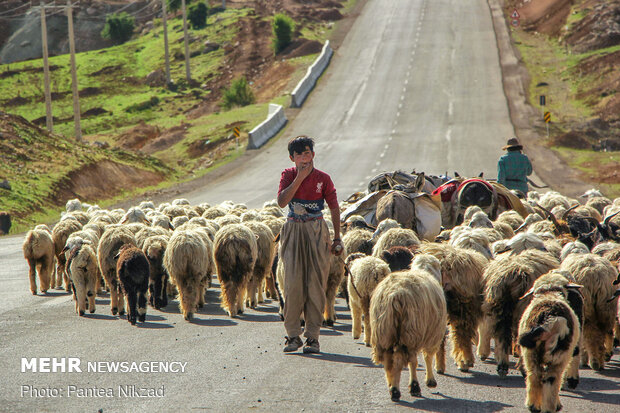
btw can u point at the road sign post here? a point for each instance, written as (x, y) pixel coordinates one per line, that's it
(547, 118)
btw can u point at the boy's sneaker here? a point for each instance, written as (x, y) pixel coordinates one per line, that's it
(292, 344)
(312, 346)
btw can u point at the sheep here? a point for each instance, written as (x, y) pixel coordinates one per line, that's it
(133, 271)
(383, 226)
(73, 205)
(235, 253)
(407, 315)
(472, 239)
(275, 225)
(335, 278)
(506, 280)
(83, 273)
(60, 233)
(38, 248)
(591, 193)
(480, 220)
(575, 247)
(214, 212)
(548, 335)
(5, 222)
(227, 220)
(364, 275)
(178, 221)
(428, 263)
(395, 236)
(187, 261)
(146, 205)
(162, 221)
(512, 218)
(147, 232)
(154, 248)
(81, 216)
(135, 216)
(358, 240)
(470, 212)
(522, 242)
(109, 245)
(604, 247)
(463, 283)
(597, 275)
(265, 253)
(398, 258)
(551, 199)
(251, 215)
(599, 203)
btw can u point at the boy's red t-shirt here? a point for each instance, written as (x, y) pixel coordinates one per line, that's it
(316, 188)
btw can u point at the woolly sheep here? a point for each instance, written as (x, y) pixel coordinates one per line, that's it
(597, 275)
(146, 205)
(161, 221)
(60, 233)
(73, 205)
(154, 248)
(575, 247)
(178, 221)
(512, 218)
(187, 261)
(135, 216)
(147, 232)
(335, 278)
(214, 212)
(480, 220)
(110, 243)
(358, 240)
(38, 248)
(598, 203)
(507, 279)
(407, 315)
(463, 283)
(383, 226)
(398, 258)
(470, 212)
(265, 253)
(251, 215)
(235, 253)
(83, 272)
(227, 220)
(364, 276)
(548, 334)
(395, 236)
(472, 239)
(180, 201)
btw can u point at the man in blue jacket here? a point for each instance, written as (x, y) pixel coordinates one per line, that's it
(514, 167)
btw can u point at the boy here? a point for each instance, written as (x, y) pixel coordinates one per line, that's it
(514, 167)
(305, 243)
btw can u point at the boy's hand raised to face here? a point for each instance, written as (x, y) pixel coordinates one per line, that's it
(304, 170)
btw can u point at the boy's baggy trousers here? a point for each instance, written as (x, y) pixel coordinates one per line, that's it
(304, 250)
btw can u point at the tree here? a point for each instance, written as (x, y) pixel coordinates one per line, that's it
(174, 5)
(283, 27)
(238, 94)
(118, 27)
(197, 15)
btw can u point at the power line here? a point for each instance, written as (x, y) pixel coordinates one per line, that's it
(12, 10)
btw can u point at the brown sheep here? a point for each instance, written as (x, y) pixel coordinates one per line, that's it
(597, 275)
(463, 284)
(60, 234)
(235, 253)
(265, 253)
(154, 248)
(111, 242)
(507, 279)
(38, 248)
(133, 271)
(407, 315)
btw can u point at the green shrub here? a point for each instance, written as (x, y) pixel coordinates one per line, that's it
(197, 15)
(238, 94)
(283, 27)
(139, 107)
(118, 27)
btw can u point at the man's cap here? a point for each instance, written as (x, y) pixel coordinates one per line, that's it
(513, 143)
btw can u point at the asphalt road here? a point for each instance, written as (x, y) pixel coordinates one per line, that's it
(416, 84)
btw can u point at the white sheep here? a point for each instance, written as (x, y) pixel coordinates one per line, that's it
(38, 248)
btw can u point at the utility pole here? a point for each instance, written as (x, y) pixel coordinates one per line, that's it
(223, 4)
(74, 84)
(187, 71)
(49, 120)
(166, 52)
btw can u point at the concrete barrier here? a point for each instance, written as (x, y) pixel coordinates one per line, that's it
(276, 119)
(315, 71)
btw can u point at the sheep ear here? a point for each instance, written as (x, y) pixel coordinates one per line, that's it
(170, 225)
(481, 175)
(124, 220)
(574, 286)
(521, 228)
(148, 221)
(277, 238)
(118, 254)
(65, 249)
(527, 294)
(614, 296)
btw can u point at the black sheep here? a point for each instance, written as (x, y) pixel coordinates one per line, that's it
(133, 272)
(5, 222)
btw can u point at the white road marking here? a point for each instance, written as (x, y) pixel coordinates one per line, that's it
(373, 170)
(377, 163)
(358, 96)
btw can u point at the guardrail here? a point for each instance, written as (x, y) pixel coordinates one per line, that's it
(276, 119)
(315, 71)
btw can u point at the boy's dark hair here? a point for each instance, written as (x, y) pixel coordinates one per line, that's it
(299, 145)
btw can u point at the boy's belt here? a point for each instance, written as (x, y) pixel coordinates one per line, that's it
(515, 180)
(308, 219)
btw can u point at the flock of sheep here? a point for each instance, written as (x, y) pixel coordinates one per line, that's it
(541, 287)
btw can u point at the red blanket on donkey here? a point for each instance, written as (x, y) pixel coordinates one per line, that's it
(452, 187)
